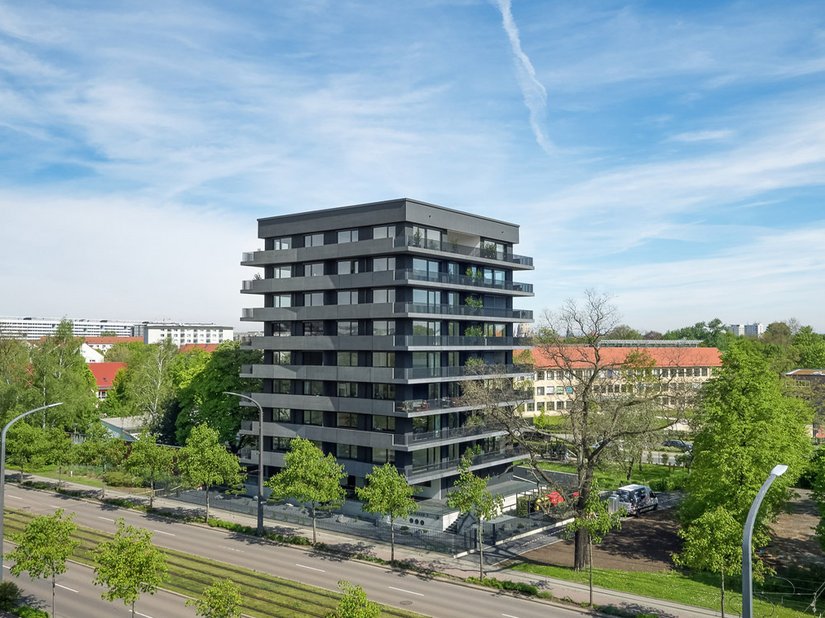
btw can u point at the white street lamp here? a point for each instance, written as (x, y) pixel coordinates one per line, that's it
(747, 533)
(260, 459)
(3, 471)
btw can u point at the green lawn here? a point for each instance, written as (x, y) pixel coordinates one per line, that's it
(263, 594)
(611, 476)
(698, 590)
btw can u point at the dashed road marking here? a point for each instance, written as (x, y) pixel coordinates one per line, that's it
(106, 518)
(418, 594)
(162, 532)
(65, 588)
(303, 566)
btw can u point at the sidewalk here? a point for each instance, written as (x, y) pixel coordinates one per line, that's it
(458, 569)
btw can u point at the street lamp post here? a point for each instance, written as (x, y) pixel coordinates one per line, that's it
(260, 458)
(747, 534)
(3, 471)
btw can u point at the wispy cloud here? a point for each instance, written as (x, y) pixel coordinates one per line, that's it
(535, 96)
(702, 136)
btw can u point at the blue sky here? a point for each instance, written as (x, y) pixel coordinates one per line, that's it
(669, 154)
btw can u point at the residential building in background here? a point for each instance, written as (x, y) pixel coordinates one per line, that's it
(675, 366)
(181, 333)
(757, 329)
(374, 315)
(104, 374)
(104, 344)
(35, 328)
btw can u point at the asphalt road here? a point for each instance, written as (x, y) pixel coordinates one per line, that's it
(431, 597)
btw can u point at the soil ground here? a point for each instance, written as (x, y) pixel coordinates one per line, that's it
(646, 543)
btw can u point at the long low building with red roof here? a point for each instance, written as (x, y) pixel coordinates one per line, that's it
(557, 367)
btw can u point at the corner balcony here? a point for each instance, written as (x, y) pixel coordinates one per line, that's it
(427, 472)
(462, 311)
(517, 288)
(482, 253)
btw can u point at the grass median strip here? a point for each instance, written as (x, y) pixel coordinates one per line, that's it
(263, 594)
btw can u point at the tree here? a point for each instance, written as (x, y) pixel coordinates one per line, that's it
(387, 493)
(204, 462)
(61, 451)
(810, 347)
(202, 399)
(746, 427)
(44, 546)
(471, 496)
(152, 381)
(615, 396)
(713, 542)
(354, 603)
(777, 333)
(598, 521)
(26, 445)
(711, 334)
(623, 331)
(102, 450)
(220, 600)
(129, 565)
(150, 461)
(14, 376)
(309, 476)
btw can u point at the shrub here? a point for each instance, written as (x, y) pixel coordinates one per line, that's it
(31, 612)
(118, 478)
(9, 596)
(505, 584)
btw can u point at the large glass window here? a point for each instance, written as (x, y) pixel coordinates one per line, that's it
(346, 451)
(426, 359)
(281, 329)
(347, 389)
(383, 391)
(313, 299)
(313, 240)
(348, 327)
(347, 236)
(313, 417)
(314, 328)
(494, 330)
(347, 419)
(383, 423)
(282, 358)
(281, 415)
(383, 263)
(313, 387)
(285, 242)
(383, 359)
(383, 455)
(348, 297)
(426, 237)
(315, 269)
(429, 267)
(282, 300)
(347, 359)
(426, 297)
(383, 295)
(282, 387)
(282, 272)
(383, 231)
(347, 267)
(383, 327)
(429, 328)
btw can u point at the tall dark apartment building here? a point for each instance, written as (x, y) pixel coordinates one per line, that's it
(374, 316)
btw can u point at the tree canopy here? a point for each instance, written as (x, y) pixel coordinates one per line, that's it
(387, 492)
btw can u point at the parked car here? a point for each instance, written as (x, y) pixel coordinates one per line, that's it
(680, 444)
(636, 499)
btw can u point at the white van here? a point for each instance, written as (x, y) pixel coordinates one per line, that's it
(636, 499)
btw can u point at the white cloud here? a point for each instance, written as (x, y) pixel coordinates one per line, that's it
(702, 136)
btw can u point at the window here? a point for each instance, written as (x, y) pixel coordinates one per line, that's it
(383, 295)
(346, 419)
(451, 299)
(383, 423)
(347, 236)
(346, 451)
(426, 359)
(383, 359)
(426, 297)
(531, 407)
(311, 359)
(282, 387)
(315, 269)
(282, 300)
(313, 299)
(279, 244)
(348, 327)
(422, 266)
(348, 297)
(313, 417)
(383, 455)
(426, 328)
(383, 327)
(383, 231)
(383, 391)
(281, 444)
(494, 330)
(281, 415)
(347, 389)
(314, 328)
(348, 267)
(313, 387)
(282, 358)
(313, 240)
(539, 375)
(282, 272)
(383, 263)
(347, 359)
(281, 329)
(539, 391)
(425, 237)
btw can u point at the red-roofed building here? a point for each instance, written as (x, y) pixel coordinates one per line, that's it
(674, 367)
(103, 344)
(104, 374)
(206, 347)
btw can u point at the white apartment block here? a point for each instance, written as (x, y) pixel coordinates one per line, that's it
(676, 368)
(757, 329)
(181, 333)
(34, 329)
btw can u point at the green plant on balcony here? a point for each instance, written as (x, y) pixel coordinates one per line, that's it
(488, 250)
(474, 273)
(476, 330)
(416, 238)
(474, 302)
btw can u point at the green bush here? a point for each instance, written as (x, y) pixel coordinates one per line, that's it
(118, 478)
(612, 610)
(505, 584)
(522, 506)
(31, 612)
(9, 596)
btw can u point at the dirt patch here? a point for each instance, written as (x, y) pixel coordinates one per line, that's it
(643, 544)
(794, 543)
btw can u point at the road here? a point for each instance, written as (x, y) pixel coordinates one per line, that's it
(419, 593)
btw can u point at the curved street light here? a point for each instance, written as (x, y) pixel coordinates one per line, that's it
(747, 534)
(3, 471)
(260, 531)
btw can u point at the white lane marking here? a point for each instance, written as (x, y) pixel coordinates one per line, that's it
(65, 588)
(106, 518)
(15, 497)
(509, 616)
(162, 532)
(303, 566)
(144, 615)
(240, 551)
(418, 594)
(6, 566)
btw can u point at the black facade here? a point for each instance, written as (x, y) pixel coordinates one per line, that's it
(374, 315)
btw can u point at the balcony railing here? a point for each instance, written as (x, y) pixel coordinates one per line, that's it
(449, 247)
(474, 342)
(518, 314)
(452, 464)
(438, 277)
(413, 373)
(406, 439)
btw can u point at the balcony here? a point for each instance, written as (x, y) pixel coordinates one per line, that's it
(476, 282)
(419, 473)
(417, 406)
(463, 310)
(455, 433)
(422, 341)
(418, 373)
(482, 252)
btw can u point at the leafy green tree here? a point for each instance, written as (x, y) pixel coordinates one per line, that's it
(777, 333)
(102, 450)
(309, 476)
(711, 334)
(387, 493)
(151, 383)
(129, 565)
(810, 347)
(59, 373)
(43, 547)
(61, 451)
(354, 603)
(125, 352)
(713, 543)
(202, 399)
(205, 462)
(471, 496)
(220, 600)
(746, 427)
(624, 332)
(150, 461)
(598, 521)
(14, 376)
(26, 445)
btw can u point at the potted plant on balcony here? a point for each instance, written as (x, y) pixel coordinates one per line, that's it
(474, 303)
